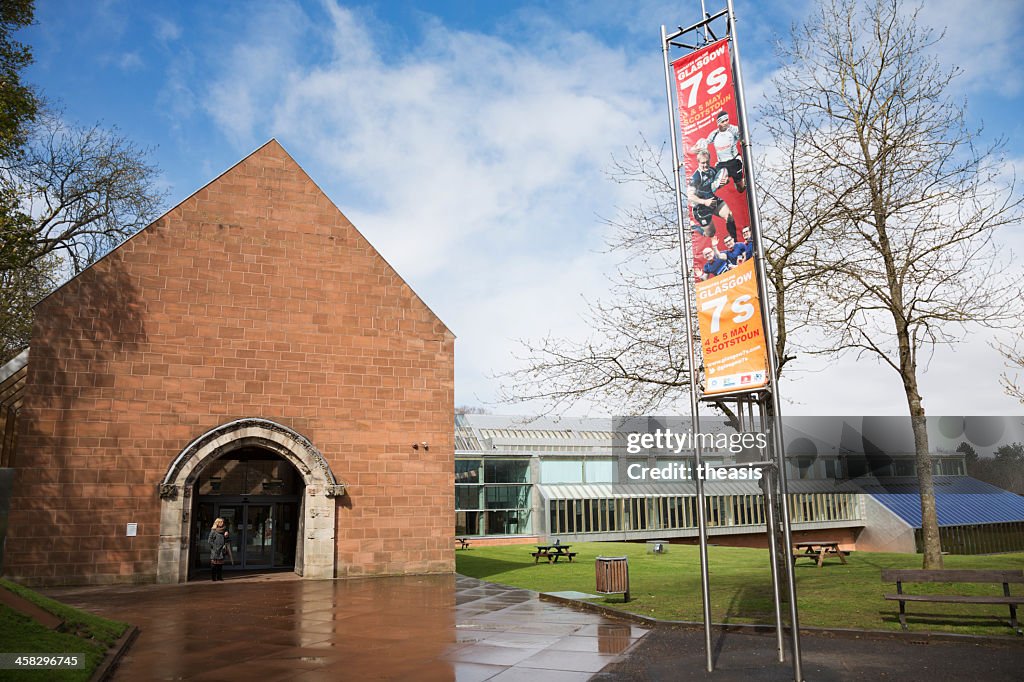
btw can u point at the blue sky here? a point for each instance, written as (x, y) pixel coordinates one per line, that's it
(469, 141)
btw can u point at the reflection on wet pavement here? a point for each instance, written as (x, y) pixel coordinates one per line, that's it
(406, 628)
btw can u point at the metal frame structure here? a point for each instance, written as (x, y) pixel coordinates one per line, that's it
(760, 409)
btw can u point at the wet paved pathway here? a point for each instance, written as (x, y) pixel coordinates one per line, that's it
(412, 628)
(277, 627)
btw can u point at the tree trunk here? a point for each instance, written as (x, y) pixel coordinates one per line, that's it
(932, 546)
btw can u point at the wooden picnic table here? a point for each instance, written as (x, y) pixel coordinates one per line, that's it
(552, 553)
(818, 550)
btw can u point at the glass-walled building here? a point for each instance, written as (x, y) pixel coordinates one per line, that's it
(548, 479)
(492, 496)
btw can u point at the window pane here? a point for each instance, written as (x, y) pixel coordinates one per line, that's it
(467, 497)
(903, 467)
(507, 497)
(467, 471)
(600, 471)
(468, 523)
(506, 471)
(508, 522)
(950, 467)
(561, 471)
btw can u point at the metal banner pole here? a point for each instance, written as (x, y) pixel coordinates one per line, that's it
(773, 545)
(787, 536)
(776, 412)
(694, 417)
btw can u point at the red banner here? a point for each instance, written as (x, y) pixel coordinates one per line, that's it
(729, 318)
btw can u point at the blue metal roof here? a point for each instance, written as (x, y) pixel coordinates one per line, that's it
(959, 501)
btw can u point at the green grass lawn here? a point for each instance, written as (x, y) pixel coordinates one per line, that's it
(667, 586)
(82, 633)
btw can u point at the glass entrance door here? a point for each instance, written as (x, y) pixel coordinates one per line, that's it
(258, 549)
(234, 521)
(250, 534)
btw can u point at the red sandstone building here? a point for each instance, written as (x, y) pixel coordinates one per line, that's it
(249, 355)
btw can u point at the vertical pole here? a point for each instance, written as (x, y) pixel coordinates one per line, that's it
(773, 547)
(686, 271)
(787, 536)
(776, 411)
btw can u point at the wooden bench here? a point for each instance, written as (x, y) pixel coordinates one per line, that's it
(842, 554)
(955, 576)
(818, 550)
(552, 557)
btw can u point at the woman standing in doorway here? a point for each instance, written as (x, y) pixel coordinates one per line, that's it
(218, 548)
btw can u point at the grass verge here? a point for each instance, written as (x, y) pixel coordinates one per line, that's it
(82, 633)
(667, 586)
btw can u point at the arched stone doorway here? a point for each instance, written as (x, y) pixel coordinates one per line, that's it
(259, 494)
(315, 552)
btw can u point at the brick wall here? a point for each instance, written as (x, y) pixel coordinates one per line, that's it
(255, 297)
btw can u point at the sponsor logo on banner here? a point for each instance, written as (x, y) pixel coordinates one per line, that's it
(726, 283)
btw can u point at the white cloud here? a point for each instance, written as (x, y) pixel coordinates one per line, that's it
(252, 72)
(165, 30)
(130, 61)
(474, 164)
(983, 39)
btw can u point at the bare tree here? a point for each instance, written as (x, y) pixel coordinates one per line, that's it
(880, 209)
(83, 190)
(1014, 361)
(911, 202)
(471, 409)
(69, 195)
(635, 359)
(793, 215)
